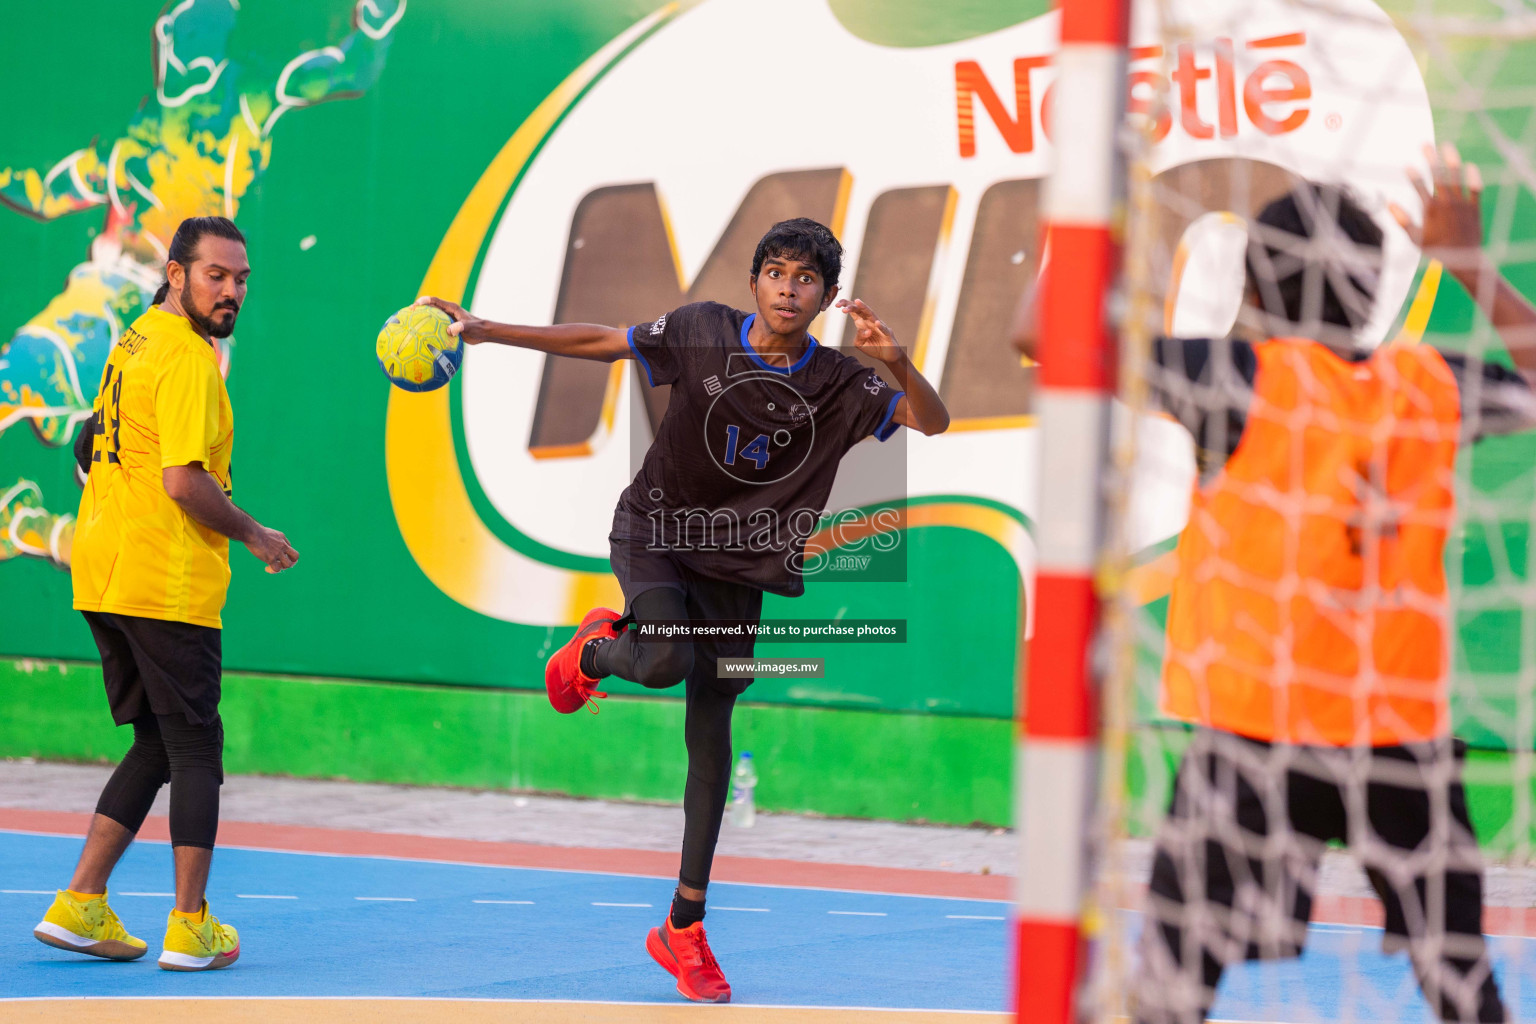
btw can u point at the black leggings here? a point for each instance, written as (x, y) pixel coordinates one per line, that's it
(1239, 853)
(706, 728)
(169, 748)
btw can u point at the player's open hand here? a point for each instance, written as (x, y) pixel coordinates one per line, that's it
(1452, 229)
(461, 319)
(870, 335)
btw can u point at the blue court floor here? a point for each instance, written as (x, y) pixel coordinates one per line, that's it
(314, 925)
(1344, 976)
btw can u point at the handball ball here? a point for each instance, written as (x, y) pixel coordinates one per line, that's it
(415, 350)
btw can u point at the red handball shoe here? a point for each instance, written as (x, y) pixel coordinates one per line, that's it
(570, 689)
(687, 957)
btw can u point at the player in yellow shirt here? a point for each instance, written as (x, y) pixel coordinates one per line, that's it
(151, 570)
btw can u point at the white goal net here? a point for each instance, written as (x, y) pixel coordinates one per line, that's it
(1320, 700)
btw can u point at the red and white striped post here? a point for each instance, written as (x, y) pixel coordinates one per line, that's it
(1057, 741)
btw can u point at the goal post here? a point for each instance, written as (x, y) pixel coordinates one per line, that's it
(1058, 735)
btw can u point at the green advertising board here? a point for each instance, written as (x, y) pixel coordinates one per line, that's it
(348, 197)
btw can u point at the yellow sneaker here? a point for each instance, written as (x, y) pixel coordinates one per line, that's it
(204, 945)
(87, 926)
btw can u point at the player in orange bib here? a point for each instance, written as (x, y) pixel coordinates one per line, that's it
(1308, 627)
(151, 570)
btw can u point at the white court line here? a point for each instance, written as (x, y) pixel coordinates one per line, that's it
(521, 903)
(170, 894)
(639, 905)
(1332, 928)
(386, 899)
(535, 1003)
(512, 867)
(973, 917)
(858, 913)
(259, 896)
(747, 910)
(29, 892)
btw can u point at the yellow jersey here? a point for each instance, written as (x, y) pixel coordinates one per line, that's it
(162, 403)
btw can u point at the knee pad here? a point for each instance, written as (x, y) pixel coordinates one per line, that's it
(147, 754)
(152, 762)
(191, 747)
(668, 666)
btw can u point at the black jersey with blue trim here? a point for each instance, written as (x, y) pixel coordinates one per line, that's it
(744, 459)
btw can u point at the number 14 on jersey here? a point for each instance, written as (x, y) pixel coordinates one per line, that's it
(756, 449)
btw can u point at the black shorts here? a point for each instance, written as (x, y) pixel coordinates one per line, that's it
(1238, 855)
(169, 667)
(640, 568)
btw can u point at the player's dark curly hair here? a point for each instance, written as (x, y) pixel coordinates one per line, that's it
(805, 240)
(189, 232)
(1315, 255)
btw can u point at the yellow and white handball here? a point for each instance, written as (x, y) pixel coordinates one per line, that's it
(415, 350)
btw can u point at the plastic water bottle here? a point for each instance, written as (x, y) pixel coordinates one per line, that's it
(744, 780)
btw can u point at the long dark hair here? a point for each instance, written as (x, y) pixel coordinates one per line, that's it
(184, 243)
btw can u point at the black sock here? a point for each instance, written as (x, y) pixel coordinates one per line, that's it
(685, 911)
(589, 657)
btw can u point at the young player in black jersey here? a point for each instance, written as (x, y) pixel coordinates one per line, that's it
(760, 415)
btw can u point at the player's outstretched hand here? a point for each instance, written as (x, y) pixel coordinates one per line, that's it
(871, 336)
(461, 318)
(1452, 229)
(273, 548)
